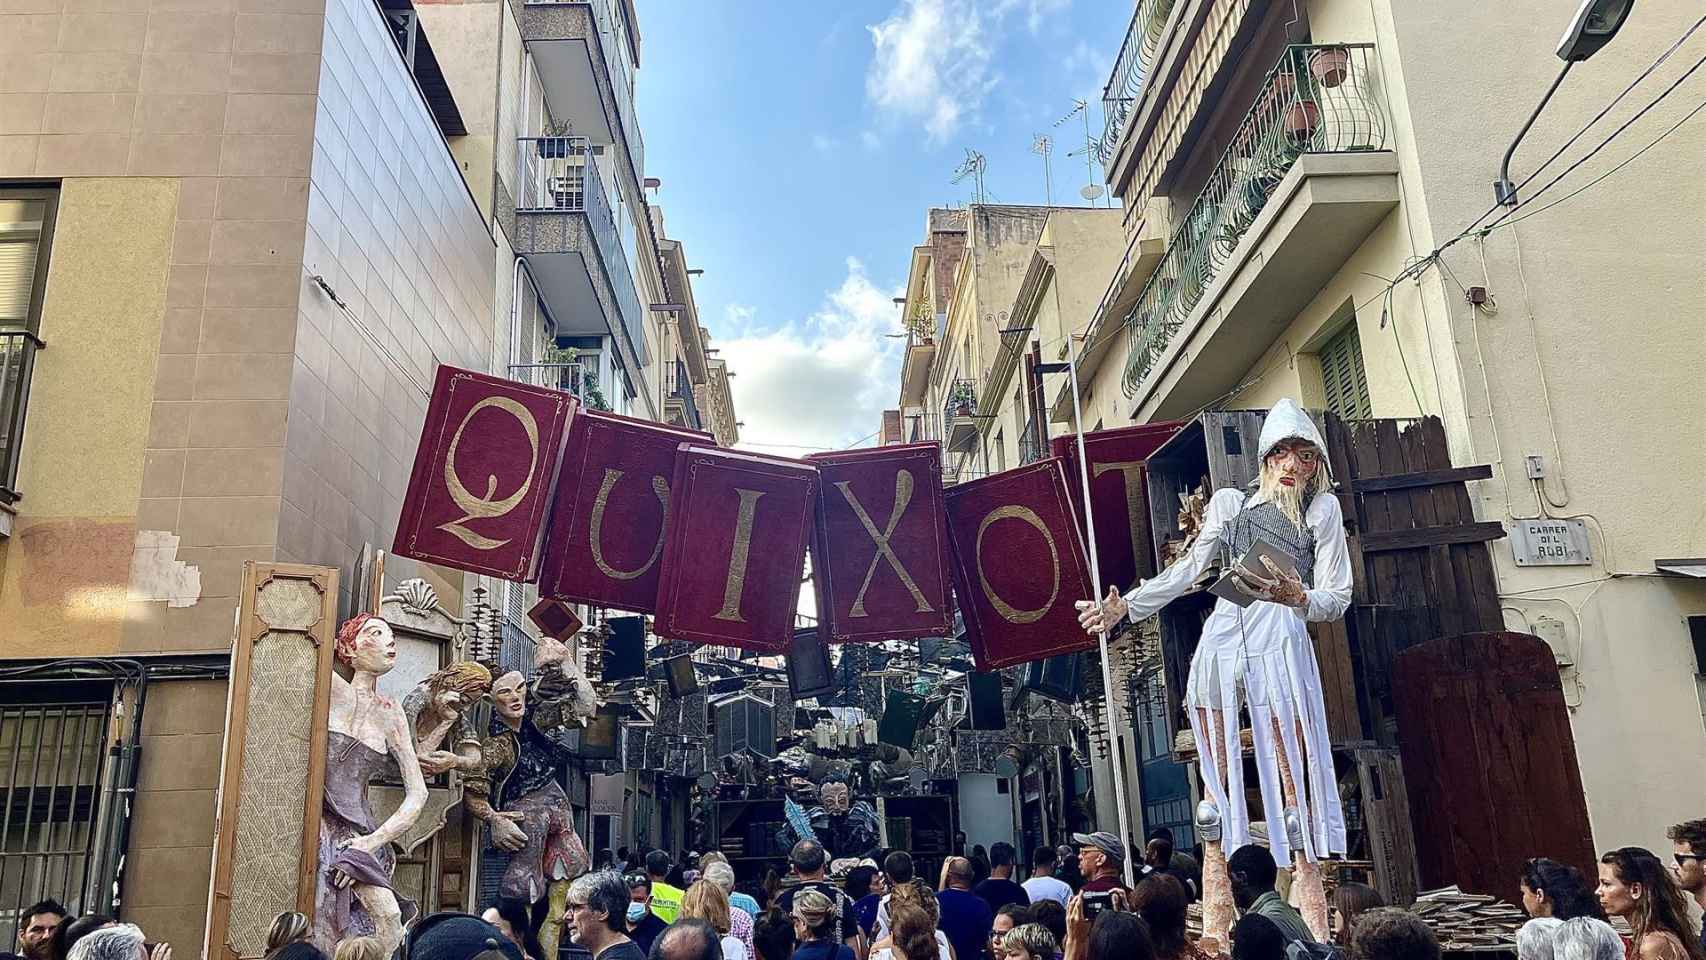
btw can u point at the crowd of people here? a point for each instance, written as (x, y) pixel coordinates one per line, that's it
(1074, 904)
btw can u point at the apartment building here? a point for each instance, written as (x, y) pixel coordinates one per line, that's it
(236, 240)
(1280, 164)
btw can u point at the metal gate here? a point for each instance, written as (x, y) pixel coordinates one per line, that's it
(52, 757)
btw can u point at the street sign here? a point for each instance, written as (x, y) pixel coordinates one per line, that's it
(1550, 543)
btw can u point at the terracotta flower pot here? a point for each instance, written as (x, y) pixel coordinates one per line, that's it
(1331, 66)
(1302, 120)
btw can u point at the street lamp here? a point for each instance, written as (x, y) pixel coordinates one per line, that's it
(1593, 26)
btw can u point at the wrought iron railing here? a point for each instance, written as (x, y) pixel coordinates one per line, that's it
(606, 15)
(681, 389)
(561, 175)
(1317, 99)
(1031, 442)
(1131, 70)
(17, 361)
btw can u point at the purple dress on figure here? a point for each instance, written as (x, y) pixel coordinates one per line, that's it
(346, 814)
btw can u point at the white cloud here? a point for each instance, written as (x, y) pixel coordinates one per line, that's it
(821, 383)
(870, 140)
(933, 59)
(823, 143)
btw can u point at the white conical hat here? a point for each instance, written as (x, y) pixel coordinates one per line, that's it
(1285, 421)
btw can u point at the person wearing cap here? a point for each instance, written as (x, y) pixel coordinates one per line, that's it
(459, 936)
(595, 916)
(1101, 859)
(1286, 564)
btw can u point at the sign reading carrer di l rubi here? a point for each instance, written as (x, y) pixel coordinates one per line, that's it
(482, 482)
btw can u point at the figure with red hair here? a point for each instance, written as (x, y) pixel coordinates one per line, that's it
(367, 736)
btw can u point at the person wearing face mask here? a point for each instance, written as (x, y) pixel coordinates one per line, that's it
(1255, 653)
(643, 925)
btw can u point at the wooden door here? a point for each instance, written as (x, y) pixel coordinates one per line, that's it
(1489, 760)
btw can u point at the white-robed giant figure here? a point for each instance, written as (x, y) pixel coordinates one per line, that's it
(1261, 656)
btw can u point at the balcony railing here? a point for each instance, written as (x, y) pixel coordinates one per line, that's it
(606, 16)
(1031, 442)
(680, 388)
(561, 175)
(17, 360)
(1131, 69)
(1317, 99)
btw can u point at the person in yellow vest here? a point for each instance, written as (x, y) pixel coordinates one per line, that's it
(666, 899)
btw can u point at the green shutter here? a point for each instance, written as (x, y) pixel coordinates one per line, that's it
(1344, 376)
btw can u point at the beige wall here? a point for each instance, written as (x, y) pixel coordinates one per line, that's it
(168, 869)
(464, 36)
(65, 574)
(1601, 299)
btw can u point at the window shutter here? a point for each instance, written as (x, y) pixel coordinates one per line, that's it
(17, 277)
(1344, 377)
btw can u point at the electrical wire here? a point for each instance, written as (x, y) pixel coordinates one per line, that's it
(1666, 92)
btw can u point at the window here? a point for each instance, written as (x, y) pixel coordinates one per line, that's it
(26, 233)
(1343, 375)
(53, 736)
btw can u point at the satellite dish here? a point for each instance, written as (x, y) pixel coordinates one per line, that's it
(1005, 767)
(917, 777)
(1091, 191)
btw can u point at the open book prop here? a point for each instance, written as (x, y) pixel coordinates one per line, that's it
(1236, 583)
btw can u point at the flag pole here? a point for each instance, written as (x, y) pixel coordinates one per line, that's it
(1117, 755)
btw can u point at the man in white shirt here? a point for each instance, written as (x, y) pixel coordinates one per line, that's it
(1043, 885)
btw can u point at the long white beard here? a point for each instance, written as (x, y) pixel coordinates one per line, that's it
(1289, 500)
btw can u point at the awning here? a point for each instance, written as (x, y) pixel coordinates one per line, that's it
(1695, 567)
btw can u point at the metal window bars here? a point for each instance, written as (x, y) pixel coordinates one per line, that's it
(1319, 98)
(1131, 70)
(17, 361)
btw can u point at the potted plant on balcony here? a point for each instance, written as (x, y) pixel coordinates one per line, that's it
(962, 400)
(553, 143)
(1330, 66)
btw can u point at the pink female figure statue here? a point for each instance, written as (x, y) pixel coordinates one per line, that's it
(1261, 657)
(367, 736)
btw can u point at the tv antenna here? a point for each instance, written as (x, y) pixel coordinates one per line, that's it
(1043, 145)
(1090, 151)
(971, 168)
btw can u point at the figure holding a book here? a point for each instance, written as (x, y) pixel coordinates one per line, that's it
(1282, 552)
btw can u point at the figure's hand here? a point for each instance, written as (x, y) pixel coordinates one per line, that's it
(435, 762)
(1281, 586)
(1102, 617)
(505, 834)
(161, 951)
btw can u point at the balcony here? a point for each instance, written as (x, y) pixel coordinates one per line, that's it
(1125, 85)
(566, 228)
(1307, 178)
(679, 407)
(959, 415)
(1031, 446)
(920, 352)
(582, 52)
(17, 360)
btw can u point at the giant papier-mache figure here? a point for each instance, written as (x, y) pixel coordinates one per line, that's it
(517, 792)
(1261, 656)
(846, 827)
(367, 736)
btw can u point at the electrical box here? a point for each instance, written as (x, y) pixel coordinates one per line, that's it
(1535, 465)
(1551, 630)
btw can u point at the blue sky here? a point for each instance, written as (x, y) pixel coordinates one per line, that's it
(800, 150)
